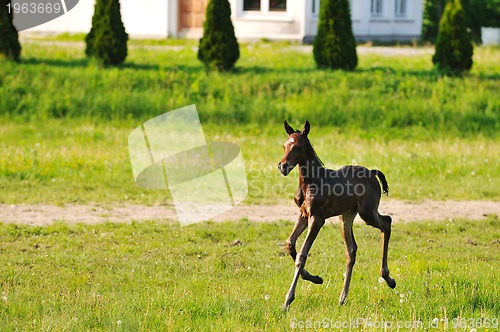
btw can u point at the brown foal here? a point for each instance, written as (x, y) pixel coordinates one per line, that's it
(324, 193)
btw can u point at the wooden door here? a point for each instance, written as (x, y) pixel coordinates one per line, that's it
(191, 14)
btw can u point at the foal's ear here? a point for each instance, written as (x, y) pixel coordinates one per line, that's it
(289, 130)
(307, 126)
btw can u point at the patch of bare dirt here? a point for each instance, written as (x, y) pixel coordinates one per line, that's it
(399, 210)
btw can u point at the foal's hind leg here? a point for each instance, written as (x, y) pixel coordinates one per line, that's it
(351, 247)
(386, 235)
(298, 229)
(373, 218)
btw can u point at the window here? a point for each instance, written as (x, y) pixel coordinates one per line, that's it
(400, 8)
(264, 5)
(376, 8)
(251, 5)
(315, 7)
(277, 5)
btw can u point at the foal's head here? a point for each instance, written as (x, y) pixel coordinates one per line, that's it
(296, 147)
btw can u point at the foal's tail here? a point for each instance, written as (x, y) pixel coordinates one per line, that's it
(381, 176)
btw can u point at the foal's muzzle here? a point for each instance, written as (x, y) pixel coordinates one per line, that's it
(285, 168)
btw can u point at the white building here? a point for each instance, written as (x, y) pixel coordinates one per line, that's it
(252, 19)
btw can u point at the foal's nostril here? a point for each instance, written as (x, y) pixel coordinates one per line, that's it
(283, 168)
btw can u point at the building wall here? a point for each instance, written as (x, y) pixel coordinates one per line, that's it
(162, 18)
(141, 18)
(389, 25)
(490, 36)
(385, 26)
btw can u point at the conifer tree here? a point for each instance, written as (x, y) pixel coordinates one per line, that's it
(433, 10)
(10, 48)
(107, 39)
(334, 45)
(218, 48)
(453, 45)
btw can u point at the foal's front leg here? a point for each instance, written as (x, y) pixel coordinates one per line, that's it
(298, 229)
(315, 225)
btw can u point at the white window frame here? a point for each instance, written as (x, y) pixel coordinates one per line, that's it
(264, 14)
(401, 8)
(264, 8)
(377, 8)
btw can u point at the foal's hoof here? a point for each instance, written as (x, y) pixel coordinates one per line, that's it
(289, 299)
(286, 306)
(342, 299)
(391, 283)
(316, 280)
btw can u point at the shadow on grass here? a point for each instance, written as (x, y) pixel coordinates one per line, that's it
(431, 74)
(237, 70)
(256, 70)
(74, 63)
(428, 74)
(85, 62)
(139, 66)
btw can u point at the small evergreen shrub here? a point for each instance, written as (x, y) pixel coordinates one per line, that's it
(478, 13)
(453, 45)
(218, 48)
(430, 22)
(107, 39)
(334, 45)
(10, 48)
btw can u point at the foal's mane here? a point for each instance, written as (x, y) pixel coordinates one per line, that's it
(313, 152)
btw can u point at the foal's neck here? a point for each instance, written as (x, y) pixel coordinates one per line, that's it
(310, 169)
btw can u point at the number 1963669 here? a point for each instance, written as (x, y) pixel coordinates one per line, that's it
(34, 8)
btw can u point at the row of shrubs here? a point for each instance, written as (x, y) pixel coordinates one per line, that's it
(334, 45)
(106, 41)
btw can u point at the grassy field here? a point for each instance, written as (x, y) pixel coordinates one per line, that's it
(390, 96)
(64, 124)
(65, 121)
(71, 161)
(158, 276)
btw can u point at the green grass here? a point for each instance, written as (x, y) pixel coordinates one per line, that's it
(64, 123)
(158, 276)
(64, 120)
(72, 161)
(384, 96)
